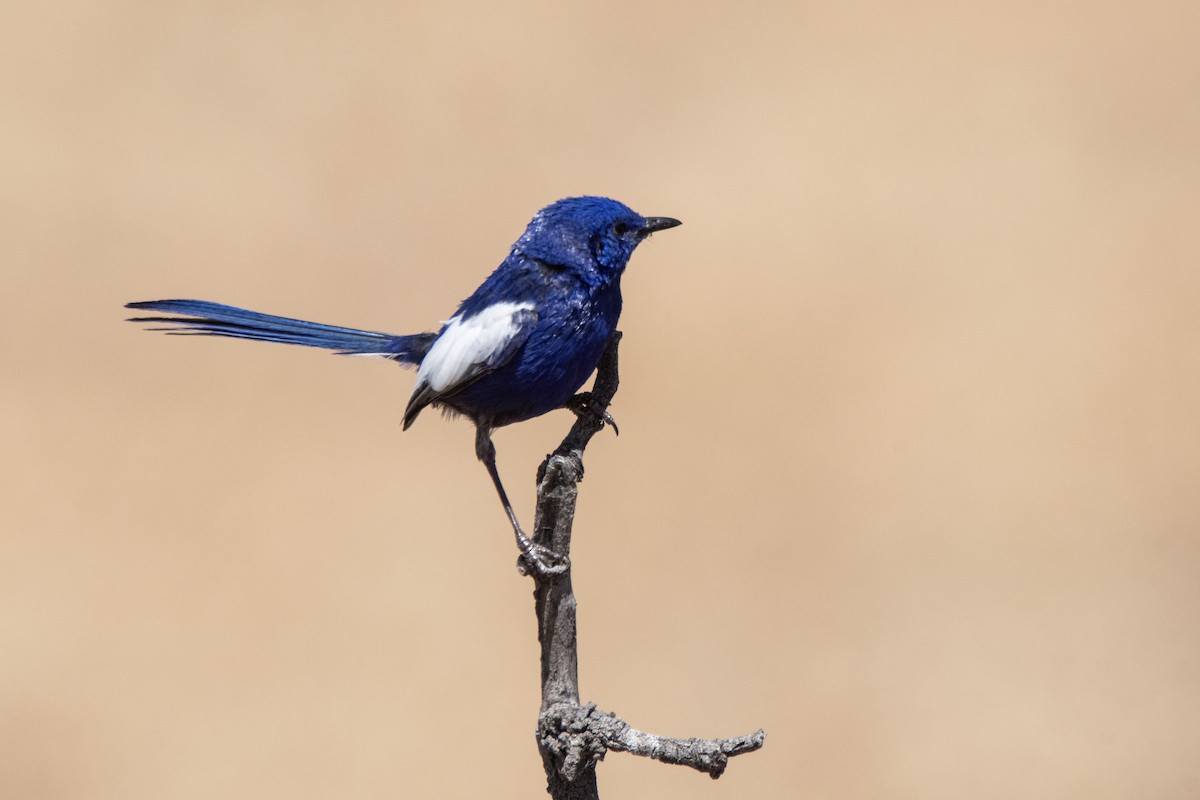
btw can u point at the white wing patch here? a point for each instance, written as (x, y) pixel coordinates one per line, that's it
(467, 344)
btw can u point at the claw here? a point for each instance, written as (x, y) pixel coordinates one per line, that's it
(581, 404)
(542, 562)
(607, 418)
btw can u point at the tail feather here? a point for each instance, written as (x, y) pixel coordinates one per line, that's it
(202, 318)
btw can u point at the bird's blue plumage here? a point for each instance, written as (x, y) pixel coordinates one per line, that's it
(566, 268)
(521, 345)
(217, 319)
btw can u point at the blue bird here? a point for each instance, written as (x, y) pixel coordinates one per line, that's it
(520, 346)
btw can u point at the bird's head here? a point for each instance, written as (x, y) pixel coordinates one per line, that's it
(594, 236)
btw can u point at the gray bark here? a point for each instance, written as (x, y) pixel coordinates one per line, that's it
(572, 738)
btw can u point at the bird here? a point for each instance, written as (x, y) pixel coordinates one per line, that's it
(520, 346)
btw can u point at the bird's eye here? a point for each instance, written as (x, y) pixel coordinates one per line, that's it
(620, 229)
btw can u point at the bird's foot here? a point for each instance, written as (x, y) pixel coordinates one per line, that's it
(542, 562)
(582, 405)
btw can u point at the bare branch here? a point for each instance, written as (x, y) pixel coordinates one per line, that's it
(573, 738)
(579, 736)
(705, 755)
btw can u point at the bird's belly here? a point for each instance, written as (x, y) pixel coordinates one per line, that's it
(547, 371)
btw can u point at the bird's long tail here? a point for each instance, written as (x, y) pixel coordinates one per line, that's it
(202, 318)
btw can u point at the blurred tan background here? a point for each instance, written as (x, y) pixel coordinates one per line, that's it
(910, 450)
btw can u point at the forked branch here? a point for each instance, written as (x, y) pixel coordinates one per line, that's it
(572, 737)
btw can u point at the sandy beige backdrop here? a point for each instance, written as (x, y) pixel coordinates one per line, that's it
(909, 471)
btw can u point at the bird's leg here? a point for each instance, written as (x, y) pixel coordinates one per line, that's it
(581, 404)
(541, 560)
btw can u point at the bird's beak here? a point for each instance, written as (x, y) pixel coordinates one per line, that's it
(654, 224)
